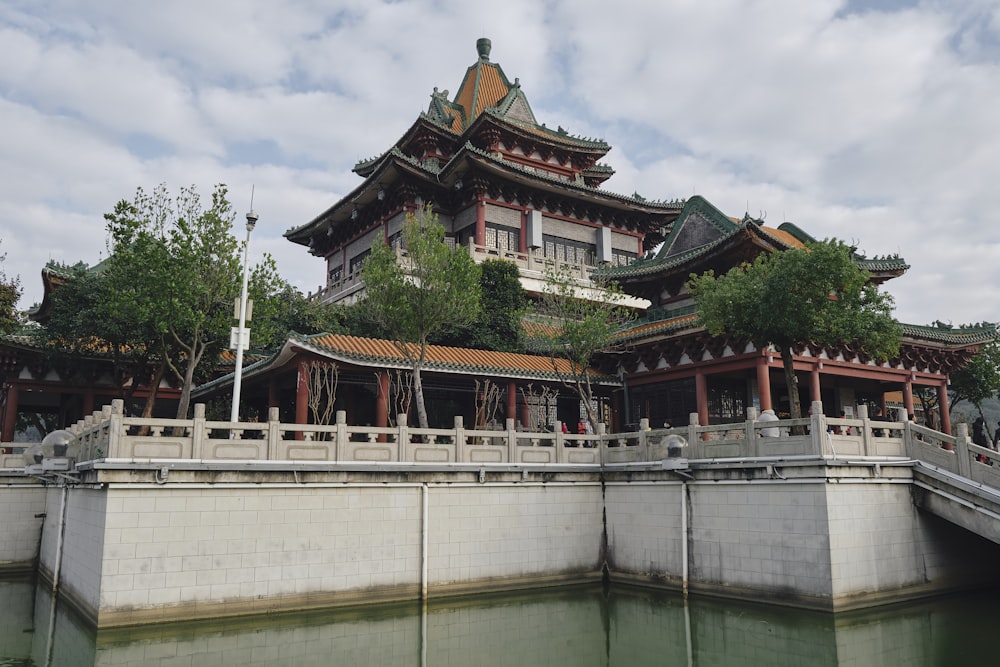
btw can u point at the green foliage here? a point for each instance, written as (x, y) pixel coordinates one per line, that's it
(979, 379)
(414, 297)
(10, 293)
(818, 295)
(574, 323)
(502, 306)
(85, 317)
(175, 266)
(279, 309)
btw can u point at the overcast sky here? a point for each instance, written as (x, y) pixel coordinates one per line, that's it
(874, 122)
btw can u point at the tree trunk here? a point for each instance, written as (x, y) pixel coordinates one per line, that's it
(418, 389)
(154, 385)
(586, 393)
(185, 399)
(791, 382)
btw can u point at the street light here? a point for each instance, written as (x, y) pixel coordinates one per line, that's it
(241, 335)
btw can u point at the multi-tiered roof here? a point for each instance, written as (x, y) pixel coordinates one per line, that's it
(487, 142)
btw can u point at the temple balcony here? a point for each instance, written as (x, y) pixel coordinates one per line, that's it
(532, 269)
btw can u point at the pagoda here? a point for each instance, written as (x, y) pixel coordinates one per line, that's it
(502, 184)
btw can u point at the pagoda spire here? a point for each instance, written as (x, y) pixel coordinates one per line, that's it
(483, 46)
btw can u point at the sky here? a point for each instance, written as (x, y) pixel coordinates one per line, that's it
(875, 122)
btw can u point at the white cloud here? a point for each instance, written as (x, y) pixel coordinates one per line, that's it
(870, 121)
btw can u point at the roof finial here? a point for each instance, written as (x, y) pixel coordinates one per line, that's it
(483, 46)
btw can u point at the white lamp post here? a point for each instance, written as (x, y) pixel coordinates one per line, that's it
(241, 335)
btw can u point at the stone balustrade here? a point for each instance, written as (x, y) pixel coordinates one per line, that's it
(112, 436)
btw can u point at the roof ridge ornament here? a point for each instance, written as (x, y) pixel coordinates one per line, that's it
(483, 47)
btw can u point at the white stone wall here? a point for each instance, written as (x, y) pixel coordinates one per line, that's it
(19, 505)
(879, 541)
(134, 551)
(628, 242)
(170, 546)
(644, 528)
(569, 230)
(767, 537)
(174, 547)
(80, 570)
(841, 543)
(502, 215)
(486, 532)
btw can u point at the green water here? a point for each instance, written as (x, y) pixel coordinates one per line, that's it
(580, 626)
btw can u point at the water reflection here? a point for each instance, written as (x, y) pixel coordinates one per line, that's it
(584, 626)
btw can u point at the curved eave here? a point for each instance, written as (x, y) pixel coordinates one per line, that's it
(670, 326)
(534, 132)
(393, 166)
(644, 268)
(954, 338)
(423, 124)
(382, 354)
(516, 173)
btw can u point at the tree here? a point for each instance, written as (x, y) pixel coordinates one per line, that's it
(979, 379)
(176, 266)
(574, 323)
(818, 294)
(10, 294)
(413, 297)
(502, 306)
(86, 317)
(279, 309)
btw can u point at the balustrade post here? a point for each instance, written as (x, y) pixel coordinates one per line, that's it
(342, 437)
(198, 432)
(560, 442)
(602, 444)
(817, 426)
(866, 430)
(962, 451)
(511, 441)
(694, 422)
(402, 436)
(643, 439)
(751, 432)
(273, 433)
(80, 429)
(461, 453)
(116, 428)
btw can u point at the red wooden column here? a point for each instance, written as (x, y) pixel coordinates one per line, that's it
(302, 397)
(88, 401)
(480, 220)
(512, 400)
(908, 397)
(764, 384)
(943, 407)
(701, 396)
(814, 392)
(9, 415)
(382, 402)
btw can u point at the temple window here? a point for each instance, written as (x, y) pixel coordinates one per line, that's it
(622, 257)
(502, 238)
(335, 275)
(565, 250)
(727, 401)
(358, 260)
